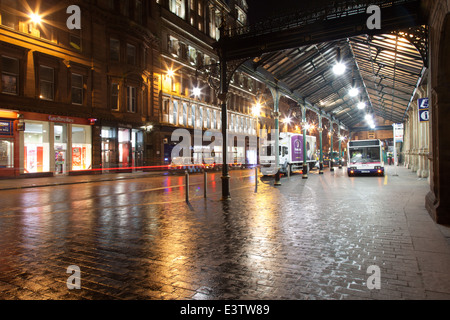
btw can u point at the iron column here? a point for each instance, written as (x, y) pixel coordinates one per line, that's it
(223, 97)
(305, 163)
(321, 145)
(331, 146)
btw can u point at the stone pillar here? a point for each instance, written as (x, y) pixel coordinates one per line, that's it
(438, 199)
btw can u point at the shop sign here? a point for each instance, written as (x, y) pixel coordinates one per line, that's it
(6, 128)
(60, 119)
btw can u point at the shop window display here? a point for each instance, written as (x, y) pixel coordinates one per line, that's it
(81, 147)
(36, 147)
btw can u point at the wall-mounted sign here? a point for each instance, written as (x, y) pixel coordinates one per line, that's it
(6, 128)
(398, 132)
(424, 111)
(423, 103)
(424, 115)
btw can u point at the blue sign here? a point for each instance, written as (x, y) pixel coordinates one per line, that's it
(424, 115)
(6, 128)
(423, 103)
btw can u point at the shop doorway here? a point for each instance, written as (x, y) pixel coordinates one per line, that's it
(108, 147)
(137, 145)
(60, 145)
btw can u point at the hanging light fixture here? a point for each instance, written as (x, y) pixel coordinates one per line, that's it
(339, 68)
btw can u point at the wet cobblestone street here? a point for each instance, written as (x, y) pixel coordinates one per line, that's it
(308, 239)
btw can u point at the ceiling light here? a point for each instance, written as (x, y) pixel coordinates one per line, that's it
(361, 105)
(339, 69)
(353, 92)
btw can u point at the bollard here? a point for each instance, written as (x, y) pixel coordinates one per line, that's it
(256, 176)
(187, 186)
(205, 181)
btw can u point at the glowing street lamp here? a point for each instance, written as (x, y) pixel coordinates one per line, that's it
(170, 73)
(196, 92)
(256, 111)
(35, 18)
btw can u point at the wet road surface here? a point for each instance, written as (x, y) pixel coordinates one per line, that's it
(308, 239)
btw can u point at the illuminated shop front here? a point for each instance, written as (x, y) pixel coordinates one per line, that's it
(122, 147)
(56, 144)
(8, 124)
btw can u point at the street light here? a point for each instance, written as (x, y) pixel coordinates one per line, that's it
(256, 111)
(170, 73)
(196, 92)
(35, 18)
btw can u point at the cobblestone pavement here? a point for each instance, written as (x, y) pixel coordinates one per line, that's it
(310, 238)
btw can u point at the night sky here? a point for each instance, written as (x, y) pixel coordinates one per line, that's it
(263, 9)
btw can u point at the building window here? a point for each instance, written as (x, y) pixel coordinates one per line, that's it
(75, 42)
(131, 54)
(9, 20)
(114, 49)
(111, 4)
(115, 96)
(192, 116)
(200, 116)
(47, 83)
(77, 89)
(177, 7)
(173, 46)
(131, 99)
(10, 75)
(192, 55)
(125, 7)
(138, 11)
(173, 119)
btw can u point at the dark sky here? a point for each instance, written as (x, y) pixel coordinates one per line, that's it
(263, 9)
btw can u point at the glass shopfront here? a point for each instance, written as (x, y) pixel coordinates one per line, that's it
(81, 147)
(6, 144)
(56, 147)
(36, 147)
(124, 147)
(60, 147)
(108, 147)
(6, 153)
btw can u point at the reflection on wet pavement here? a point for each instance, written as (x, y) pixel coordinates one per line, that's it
(138, 239)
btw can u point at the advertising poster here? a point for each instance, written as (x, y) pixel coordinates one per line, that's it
(297, 148)
(76, 157)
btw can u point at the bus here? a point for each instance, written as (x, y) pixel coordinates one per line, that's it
(365, 157)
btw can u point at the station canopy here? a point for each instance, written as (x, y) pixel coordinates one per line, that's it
(386, 68)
